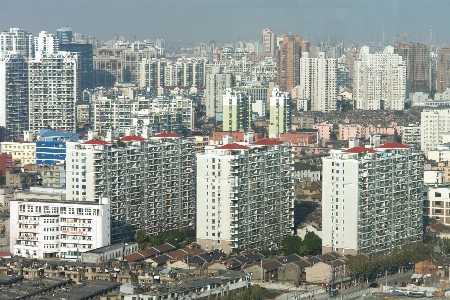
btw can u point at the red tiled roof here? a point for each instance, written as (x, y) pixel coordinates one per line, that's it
(394, 145)
(264, 142)
(132, 138)
(167, 135)
(233, 147)
(359, 149)
(96, 142)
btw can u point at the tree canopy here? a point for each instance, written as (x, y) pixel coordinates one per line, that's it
(310, 245)
(178, 239)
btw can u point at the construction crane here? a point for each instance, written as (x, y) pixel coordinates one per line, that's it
(405, 35)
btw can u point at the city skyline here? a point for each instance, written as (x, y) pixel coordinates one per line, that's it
(230, 21)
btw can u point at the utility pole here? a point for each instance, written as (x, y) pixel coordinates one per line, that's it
(386, 277)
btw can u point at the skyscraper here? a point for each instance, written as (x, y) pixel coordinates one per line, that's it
(288, 57)
(318, 81)
(417, 59)
(379, 81)
(14, 94)
(86, 66)
(64, 35)
(268, 41)
(443, 69)
(45, 43)
(216, 83)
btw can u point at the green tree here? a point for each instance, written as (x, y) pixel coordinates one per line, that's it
(291, 244)
(313, 242)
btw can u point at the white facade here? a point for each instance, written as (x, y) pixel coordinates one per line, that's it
(318, 81)
(237, 111)
(45, 43)
(379, 80)
(244, 196)
(436, 202)
(44, 228)
(372, 199)
(434, 124)
(25, 152)
(268, 41)
(17, 41)
(216, 83)
(441, 154)
(411, 135)
(53, 86)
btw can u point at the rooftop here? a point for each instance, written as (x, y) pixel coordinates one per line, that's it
(360, 149)
(233, 146)
(132, 138)
(166, 135)
(96, 142)
(394, 145)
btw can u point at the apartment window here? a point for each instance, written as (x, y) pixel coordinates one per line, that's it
(436, 194)
(337, 206)
(438, 211)
(438, 203)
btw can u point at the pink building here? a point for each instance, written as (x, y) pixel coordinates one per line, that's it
(325, 130)
(347, 131)
(371, 130)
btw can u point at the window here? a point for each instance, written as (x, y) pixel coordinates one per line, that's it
(438, 211)
(436, 194)
(438, 203)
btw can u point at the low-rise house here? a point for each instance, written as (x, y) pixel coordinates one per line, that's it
(269, 267)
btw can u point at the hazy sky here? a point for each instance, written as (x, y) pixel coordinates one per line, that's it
(230, 20)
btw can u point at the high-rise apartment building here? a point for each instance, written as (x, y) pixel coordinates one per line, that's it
(53, 87)
(14, 94)
(45, 43)
(216, 83)
(418, 68)
(443, 69)
(280, 113)
(18, 41)
(64, 35)
(244, 196)
(318, 81)
(379, 81)
(372, 199)
(149, 183)
(434, 123)
(269, 41)
(288, 60)
(237, 111)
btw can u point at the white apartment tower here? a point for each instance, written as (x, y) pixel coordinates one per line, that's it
(318, 81)
(45, 43)
(14, 94)
(372, 199)
(216, 83)
(149, 183)
(434, 123)
(379, 80)
(17, 41)
(53, 85)
(244, 196)
(280, 113)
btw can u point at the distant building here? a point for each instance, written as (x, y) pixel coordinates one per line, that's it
(237, 111)
(216, 84)
(16, 41)
(64, 35)
(6, 163)
(411, 135)
(434, 124)
(86, 66)
(25, 152)
(288, 61)
(268, 41)
(280, 113)
(443, 69)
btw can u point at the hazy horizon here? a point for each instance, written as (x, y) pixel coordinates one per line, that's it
(232, 20)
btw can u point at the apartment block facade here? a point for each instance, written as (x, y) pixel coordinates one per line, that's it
(57, 229)
(150, 183)
(18, 41)
(372, 199)
(280, 113)
(53, 87)
(288, 62)
(443, 69)
(318, 82)
(434, 123)
(379, 81)
(237, 111)
(244, 196)
(14, 94)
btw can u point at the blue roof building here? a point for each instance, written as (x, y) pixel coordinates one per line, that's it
(51, 146)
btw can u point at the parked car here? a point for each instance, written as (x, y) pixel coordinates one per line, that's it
(373, 285)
